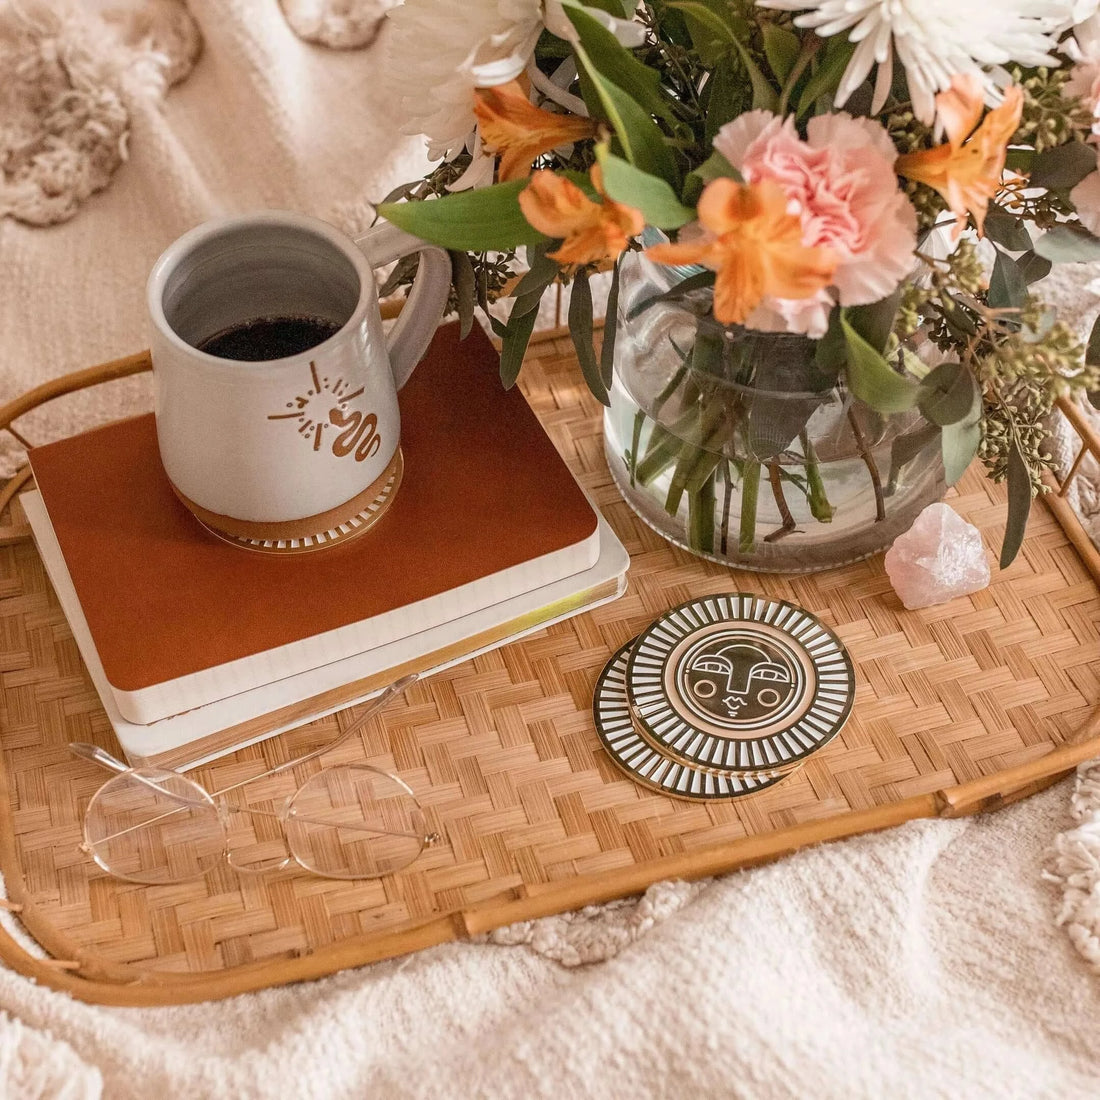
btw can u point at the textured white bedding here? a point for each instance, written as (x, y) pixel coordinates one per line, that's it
(922, 962)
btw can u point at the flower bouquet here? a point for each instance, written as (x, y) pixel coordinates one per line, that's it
(822, 219)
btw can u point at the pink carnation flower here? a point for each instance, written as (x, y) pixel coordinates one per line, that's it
(1084, 78)
(841, 182)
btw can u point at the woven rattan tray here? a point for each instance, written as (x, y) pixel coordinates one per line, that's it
(959, 708)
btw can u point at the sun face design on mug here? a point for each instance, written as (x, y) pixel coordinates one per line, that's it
(739, 681)
(325, 405)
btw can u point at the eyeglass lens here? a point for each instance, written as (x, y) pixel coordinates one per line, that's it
(154, 826)
(351, 821)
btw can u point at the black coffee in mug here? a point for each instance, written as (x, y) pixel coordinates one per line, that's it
(264, 338)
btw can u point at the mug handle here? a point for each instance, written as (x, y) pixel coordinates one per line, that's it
(410, 336)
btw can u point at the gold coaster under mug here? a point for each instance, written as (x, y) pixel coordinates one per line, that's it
(640, 761)
(739, 683)
(315, 532)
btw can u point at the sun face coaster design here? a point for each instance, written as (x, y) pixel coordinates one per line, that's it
(739, 682)
(640, 761)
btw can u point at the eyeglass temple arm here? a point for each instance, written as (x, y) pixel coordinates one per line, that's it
(376, 704)
(104, 759)
(327, 824)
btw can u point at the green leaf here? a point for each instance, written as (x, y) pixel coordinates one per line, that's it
(959, 446)
(875, 321)
(462, 278)
(1006, 229)
(619, 65)
(542, 271)
(1062, 167)
(712, 35)
(906, 447)
(484, 220)
(712, 168)
(514, 340)
(1092, 348)
(949, 393)
(1020, 160)
(1019, 505)
(870, 377)
(723, 38)
(1068, 244)
(639, 136)
(725, 98)
(781, 47)
(699, 281)
(1033, 267)
(610, 328)
(580, 328)
(832, 353)
(651, 195)
(1007, 288)
(826, 79)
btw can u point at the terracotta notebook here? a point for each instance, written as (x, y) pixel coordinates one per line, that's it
(487, 511)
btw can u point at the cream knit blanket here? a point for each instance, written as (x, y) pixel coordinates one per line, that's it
(923, 962)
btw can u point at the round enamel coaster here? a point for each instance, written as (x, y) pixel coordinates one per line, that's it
(641, 761)
(740, 682)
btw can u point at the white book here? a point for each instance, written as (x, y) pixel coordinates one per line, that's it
(221, 726)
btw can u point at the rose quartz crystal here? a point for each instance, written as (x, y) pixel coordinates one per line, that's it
(940, 557)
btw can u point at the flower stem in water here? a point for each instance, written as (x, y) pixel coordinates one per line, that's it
(750, 490)
(820, 508)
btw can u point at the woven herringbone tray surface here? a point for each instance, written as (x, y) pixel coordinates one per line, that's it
(503, 754)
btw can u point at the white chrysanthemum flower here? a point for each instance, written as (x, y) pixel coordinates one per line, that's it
(934, 39)
(439, 51)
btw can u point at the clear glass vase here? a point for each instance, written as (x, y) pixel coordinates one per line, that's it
(733, 444)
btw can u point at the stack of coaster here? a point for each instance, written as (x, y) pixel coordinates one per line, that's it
(723, 696)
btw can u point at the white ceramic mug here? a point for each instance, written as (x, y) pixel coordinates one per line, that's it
(300, 450)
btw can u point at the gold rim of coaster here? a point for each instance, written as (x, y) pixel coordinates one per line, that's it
(642, 762)
(314, 533)
(739, 682)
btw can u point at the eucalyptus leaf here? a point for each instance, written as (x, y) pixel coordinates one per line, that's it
(1062, 167)
(515, 337)
(1092, 348)
(463, 280)
(870, 377)
(949, 394)
(1019, 505)
(1033, 267)
(580, 328)
(959, 445)
(906, 447)
(1005, 229)
(1007, 288)
(483, 220)
(1068, 244)
(875, 321)
(652, 196)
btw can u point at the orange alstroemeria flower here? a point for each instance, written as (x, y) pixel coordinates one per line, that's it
(967, 172)
(518, 131)
(754, 243)
(590, 231)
